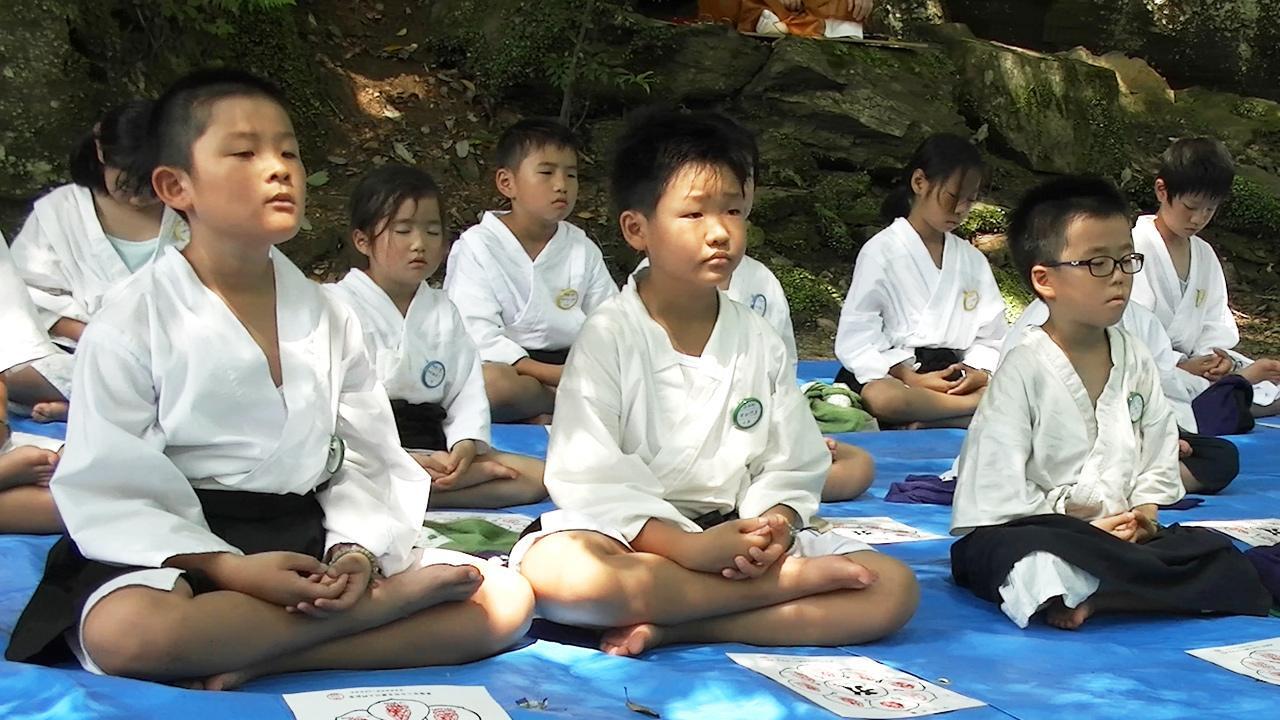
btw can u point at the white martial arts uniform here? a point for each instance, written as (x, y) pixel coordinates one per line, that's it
(1037, 445)
(644, 432)
(756, 287)
(511, 304)
(899, 301)
(173, 395)
(21, 338)
(425, 356)
(1197, 317)
(1180, 386)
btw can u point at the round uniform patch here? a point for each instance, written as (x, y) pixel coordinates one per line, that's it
(748, 413)
(433, 374)
(567, 299)
(1137, 407)
(759, 303)
(337, 453)
(969, 300)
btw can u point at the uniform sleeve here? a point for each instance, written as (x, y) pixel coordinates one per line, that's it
(467, 284)
(862, 346)
(23, 339)
(378, 497)
(587, 470)
(42, 270)
(1219, 329)
(992, 486)
(793, 467)
(600, 284)
(1159, 479)
(467, 404)
(778, 313)
(984, 354)
(123, 501)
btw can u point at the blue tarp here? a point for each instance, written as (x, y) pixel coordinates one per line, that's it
(1122, 665)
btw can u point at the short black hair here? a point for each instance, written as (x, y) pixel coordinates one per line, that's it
(122, 135)
(658, 143)
(1197, 166)
(1038, 226)
(181, 114)
(529, 135)
(939, 156)
(381, 192)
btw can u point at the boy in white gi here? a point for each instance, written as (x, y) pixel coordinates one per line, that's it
(755, 286)
(921, 327)
(1182, 281)
(83, 239)
(1074, 444)
(235, 498)
(419, 347)
(26, 462)
(683, 456)
(525, 280)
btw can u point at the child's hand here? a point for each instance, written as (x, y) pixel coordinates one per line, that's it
(455, 463)
(351, 568)
(1261, 370)
(1201, 365)
(1223, 365)
(757, 562)
(973, 381)
(1123, 525)
(286, 579)
(1184, 449)
(436, 463)
(833, 448)
(860, 10)
(1145, 527)
(936, 381)
(714, 550)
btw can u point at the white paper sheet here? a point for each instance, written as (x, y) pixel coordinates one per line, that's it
(855, 687)
(1259, 660)
(417, 702)
(1259, 533)
(878, 530)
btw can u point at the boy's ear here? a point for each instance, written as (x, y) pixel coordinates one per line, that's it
(173, 187)
(1162, 191)
(635, 228)
(505, 180)
(1040, 283)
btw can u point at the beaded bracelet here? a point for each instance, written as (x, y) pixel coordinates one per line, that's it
(338, 551)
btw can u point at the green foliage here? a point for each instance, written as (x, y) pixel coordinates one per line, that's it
(1251, 208)
(809, 297)
(1250, 109)
(1015, 293)
(834, 233)
(984, 220)
(210, 15)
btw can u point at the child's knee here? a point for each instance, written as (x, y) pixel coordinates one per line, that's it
(508, 599)
(884, 398)
(134, 632)
(566, 569)
(896, 593)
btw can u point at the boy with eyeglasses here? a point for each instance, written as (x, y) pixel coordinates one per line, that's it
(1074, 446)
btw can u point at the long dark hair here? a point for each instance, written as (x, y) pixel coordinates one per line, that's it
(939, 157)
(122, 135)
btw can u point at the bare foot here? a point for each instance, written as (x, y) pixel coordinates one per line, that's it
(543, 419)
(824, 574)
(46, 412)
(225, 681)
(632, 640)
(420, 588)
(1061, 616)
(27, 465)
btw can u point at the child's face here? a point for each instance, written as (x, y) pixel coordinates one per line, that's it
(943, 205)
(1072, 292)
(247, 182)
(1185, 215)
(411, 246)
(545, 186)
(698, 231)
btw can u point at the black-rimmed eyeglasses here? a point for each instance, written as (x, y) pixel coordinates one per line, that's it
(1105, 265)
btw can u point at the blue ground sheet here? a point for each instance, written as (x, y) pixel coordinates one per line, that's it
(1115, 666)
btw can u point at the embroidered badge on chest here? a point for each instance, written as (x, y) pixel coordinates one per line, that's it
(1200, 297)
(969, 300)
(748, 413)
(1137, 407)
(759, 303)
(337, 453)
(433, 374)
(567, 299)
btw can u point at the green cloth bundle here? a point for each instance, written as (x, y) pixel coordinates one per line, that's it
(837, 408)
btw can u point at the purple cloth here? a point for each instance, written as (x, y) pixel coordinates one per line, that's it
(1266, 560)
(922, 490)
(1224, 408)
(1185, 503)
